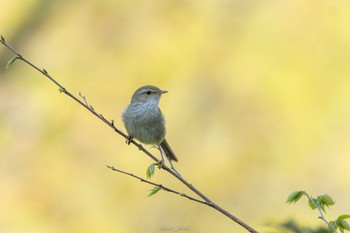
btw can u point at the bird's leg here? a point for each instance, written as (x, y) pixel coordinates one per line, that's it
(162, 162)
(128, 139)
(172, 167)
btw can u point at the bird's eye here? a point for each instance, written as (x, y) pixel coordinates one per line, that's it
(148, 92)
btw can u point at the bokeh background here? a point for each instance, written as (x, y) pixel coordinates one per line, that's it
(258, 107)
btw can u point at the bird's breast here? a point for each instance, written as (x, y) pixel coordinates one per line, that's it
(145, 122)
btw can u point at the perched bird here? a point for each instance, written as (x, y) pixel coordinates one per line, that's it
(144, 121)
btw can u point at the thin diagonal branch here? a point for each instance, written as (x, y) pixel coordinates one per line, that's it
(85, 104)
(157, 185)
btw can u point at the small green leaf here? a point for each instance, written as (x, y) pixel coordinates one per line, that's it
(60, 90)
(10, 62)
(344, 224)
(154, 191)
(327, 200)
(294, 197)
(45, 71)
(322, 206)
(2, 38)
(338, 225)
(150, 171)
(344, 216)
(312, 205)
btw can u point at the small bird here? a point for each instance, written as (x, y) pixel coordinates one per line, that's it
(144, 121)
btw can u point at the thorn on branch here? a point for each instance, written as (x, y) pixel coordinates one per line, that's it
(85, 101)
(140, 147)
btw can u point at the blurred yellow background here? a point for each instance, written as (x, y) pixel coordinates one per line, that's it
(258, 107)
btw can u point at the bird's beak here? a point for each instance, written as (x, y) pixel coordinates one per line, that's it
(162, 92)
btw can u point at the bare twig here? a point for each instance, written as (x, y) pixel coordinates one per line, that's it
(85, 104)
(157, 185)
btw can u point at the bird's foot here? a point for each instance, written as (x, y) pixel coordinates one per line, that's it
(161, 163)
(128, 139)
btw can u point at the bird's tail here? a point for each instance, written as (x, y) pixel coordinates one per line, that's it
(168, 151)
